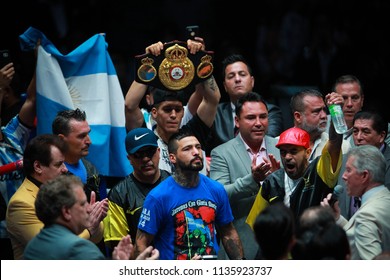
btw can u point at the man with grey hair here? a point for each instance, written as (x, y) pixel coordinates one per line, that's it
(368, 230)
(72, 126)
(43, 160)
(310, 113)
(62, 206)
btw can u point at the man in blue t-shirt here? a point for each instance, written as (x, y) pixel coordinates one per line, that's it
(181, 214)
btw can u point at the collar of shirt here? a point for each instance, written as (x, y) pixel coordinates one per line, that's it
(260, 154)
(289, 187)
(371, 192)
(35, 181)
(233, 113)
(382, 148)
(324, 137)
(348, 133)
(233, 107)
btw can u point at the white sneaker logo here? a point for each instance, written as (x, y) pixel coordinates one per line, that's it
(136, 138)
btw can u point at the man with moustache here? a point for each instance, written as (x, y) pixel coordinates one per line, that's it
(181, 214)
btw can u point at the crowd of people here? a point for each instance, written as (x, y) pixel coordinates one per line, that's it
(210, 179)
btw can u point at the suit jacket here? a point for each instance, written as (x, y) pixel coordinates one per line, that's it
(56, 242)
(231, 166)
(22, 221)
(344, 198)
(368, 230)
(223, 127)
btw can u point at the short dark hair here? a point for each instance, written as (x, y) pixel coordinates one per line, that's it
(54, 195)
(296, 101)
(182, 133)
(165, 95)
(315, 216)
(39, 149)
(378, 122)
(61, 125)
(274, 230)
(322, 243)
(347, 79)
(230, 59)
(249, 97)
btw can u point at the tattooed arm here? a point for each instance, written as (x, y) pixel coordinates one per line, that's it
(231, 242)
(211, 96)
(142, 241)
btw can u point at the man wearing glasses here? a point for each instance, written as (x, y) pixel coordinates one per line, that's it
(126, 199)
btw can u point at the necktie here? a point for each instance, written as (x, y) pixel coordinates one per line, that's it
(355, 204)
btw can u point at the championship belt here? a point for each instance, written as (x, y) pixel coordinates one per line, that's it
(175, 68)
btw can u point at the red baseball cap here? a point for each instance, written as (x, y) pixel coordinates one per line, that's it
(294, 136)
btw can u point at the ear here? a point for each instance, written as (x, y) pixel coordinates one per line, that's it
(62, 136)
(154, 112)
(365, 176)
(149, 99)
(297, 117)
(308, 153)
(66, 213)
(236, 121)
(158, 151)
(382, 135)
(38, 167)
(172, 158)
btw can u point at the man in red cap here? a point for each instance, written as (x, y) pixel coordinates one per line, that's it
(300, 183)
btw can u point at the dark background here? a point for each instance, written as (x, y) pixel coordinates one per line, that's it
(286, 42)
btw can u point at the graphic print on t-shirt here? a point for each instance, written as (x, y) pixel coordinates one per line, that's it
(194, 229)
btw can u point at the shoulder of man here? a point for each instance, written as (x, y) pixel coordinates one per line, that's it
(89, 166)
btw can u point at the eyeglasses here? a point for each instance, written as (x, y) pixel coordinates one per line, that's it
(145, 153)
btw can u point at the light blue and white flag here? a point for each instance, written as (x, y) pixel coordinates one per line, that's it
(86, 79)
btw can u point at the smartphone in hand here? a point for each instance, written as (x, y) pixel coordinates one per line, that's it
(192, 31)
(5, 58)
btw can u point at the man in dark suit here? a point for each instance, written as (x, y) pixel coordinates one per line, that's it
(238, 80)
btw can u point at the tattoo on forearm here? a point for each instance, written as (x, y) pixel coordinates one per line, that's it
(211, 83)
(233, 248)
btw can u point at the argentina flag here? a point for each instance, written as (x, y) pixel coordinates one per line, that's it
(84, 78)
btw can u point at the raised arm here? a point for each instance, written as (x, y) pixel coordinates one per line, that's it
(6, 75)
(27, 113)
(335, 139)
(197, 96)
(133, 113)
(211, 96)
